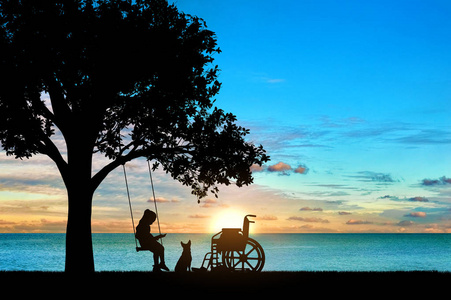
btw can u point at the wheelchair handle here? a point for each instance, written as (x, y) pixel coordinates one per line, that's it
(251, 216)
(246, 225)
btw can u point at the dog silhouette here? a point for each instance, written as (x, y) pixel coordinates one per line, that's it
(184, 262)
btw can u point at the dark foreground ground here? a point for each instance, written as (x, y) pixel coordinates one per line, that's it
(214, 285)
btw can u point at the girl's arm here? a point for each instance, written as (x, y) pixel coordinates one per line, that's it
(160, 236)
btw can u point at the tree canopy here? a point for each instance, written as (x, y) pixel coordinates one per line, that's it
(127, 79)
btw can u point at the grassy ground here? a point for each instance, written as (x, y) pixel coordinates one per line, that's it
(210, 284)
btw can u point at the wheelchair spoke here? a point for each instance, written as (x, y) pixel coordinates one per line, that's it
(253, 248)
(253, 258)
(237, 263)
(251, 266)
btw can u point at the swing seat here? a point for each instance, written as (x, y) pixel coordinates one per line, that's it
(141, 249)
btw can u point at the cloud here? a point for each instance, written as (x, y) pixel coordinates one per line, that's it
(35, 226)
(311, 209)
(34, 206)
(358, 222)
(413, 199)
(433, 182)
(284, 140)
(313, 220)
(344, 213)
(210, 202)
(3, 222)
(301, 169)
(405, 223)
(427, 137)
(394, 198)
(279, 167)
(369, 176)
(436, 228)
(162, 200)
(198, 216)
(419, 199)
(418, 214)
(285, 168)
(267, 218)
(256, 168)
(40, 183)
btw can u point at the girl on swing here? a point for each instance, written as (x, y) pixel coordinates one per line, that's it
(149, 242)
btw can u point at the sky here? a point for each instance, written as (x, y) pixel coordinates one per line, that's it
(351, 100)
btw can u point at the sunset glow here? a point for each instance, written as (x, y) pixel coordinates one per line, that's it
(351, 100)
(228, 219)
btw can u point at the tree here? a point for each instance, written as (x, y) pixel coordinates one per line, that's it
(126, 79)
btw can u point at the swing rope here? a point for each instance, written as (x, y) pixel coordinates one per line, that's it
(130, 204)
(155, 202)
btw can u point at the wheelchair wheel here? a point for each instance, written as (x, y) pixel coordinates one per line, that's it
(251, 259)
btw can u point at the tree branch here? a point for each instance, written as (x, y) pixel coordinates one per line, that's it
(61, 110)
(48, 148)
(97, 179)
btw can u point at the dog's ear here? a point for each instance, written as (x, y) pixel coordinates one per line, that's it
(189, 243)
(181, 243)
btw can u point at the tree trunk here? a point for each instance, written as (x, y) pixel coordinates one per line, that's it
(79, 253)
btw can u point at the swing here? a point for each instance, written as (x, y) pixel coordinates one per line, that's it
(131, 210)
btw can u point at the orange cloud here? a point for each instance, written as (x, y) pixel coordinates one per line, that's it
(358, 222)
(312, 209)
(301, 170)
(318, 220)
(418, 214)
(198, 216)
(256, 168)
(284, 168)
(162, 200)
(268, 218)
(207, 203)
(279, 167)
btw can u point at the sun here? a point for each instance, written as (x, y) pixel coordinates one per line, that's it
(227, 219)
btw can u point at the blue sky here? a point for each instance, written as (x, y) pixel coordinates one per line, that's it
(353, 95)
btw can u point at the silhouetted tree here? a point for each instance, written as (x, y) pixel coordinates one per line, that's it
(127, 79)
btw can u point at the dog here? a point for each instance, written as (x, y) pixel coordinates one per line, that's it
(184, 262)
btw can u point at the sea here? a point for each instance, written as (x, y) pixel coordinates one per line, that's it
(283, 252)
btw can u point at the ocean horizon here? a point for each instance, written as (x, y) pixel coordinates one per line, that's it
(283, 252)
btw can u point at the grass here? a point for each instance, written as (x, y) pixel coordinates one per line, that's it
(147, 284)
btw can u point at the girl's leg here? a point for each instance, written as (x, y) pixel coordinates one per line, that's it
(160, 253)
(155, 258)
